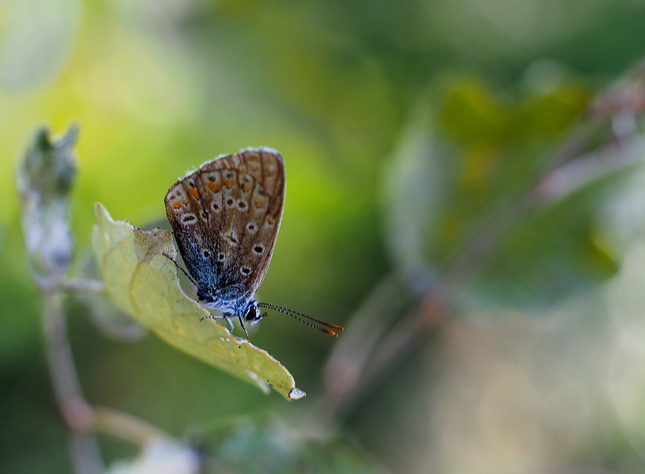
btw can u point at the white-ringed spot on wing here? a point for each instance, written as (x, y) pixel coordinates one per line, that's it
(215, 207)
(242, 205)
(189, 218)
(207, 254)
(245, 270)
(252, 227)
(220, 257)
(230, 202)
(258, 249)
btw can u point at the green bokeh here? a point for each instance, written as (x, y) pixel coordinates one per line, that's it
(335, 86)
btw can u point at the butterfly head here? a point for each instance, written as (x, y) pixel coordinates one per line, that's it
(253, 313)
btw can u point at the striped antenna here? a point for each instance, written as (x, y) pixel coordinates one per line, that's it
(296, 314)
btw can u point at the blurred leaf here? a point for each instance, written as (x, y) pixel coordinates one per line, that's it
(45, 178)
(474, 164)
(412, 198)
(269, 446)
(552, 255)
(143, 282)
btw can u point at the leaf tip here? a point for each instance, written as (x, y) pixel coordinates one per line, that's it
(296, 394)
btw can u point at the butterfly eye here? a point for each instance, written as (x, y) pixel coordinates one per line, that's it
(253, 314)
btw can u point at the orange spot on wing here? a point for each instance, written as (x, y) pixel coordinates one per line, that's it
(258, 202)
(246, 188)
(194, 192)
(214, 187)
(184, 201)
(228, 183)
(175, 204)
(271, 220)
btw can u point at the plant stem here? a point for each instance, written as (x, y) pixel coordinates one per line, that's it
(125, 426)
(76, 412)
(83, 420)
(81, 284)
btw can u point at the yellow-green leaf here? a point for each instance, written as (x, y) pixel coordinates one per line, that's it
(143, 282)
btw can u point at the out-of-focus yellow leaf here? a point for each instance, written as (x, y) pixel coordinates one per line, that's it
(143, 282)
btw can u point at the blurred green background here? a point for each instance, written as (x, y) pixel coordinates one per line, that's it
(408, 128)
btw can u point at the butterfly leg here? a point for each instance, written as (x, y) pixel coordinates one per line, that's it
(243, 327)
(230, 323)
(180, 268)
(223, 316)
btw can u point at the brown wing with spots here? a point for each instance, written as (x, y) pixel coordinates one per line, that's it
(190, 226)
(243, 196)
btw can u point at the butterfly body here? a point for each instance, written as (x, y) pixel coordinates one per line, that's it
(225, 217)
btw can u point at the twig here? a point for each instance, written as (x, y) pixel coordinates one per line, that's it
(363, 334)
(378, 357)
(76, 412)
(125, 426)
(83, 420)
(45, 178)
(81, 284)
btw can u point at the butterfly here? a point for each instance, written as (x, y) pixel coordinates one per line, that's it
(225, 218)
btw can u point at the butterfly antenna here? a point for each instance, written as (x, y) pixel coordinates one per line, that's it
(295, 314)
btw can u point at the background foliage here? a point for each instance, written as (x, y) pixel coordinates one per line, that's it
(464, 192)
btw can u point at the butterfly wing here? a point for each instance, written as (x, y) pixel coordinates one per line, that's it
(225, 217)
(243, 196)
(190, 227)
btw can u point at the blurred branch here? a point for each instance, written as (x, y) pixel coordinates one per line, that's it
(345, 369)
(81, 284)
(82, 419)
(75, 410)
(125, 426)
(369, 323)
(45, 178)
(370, 349)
